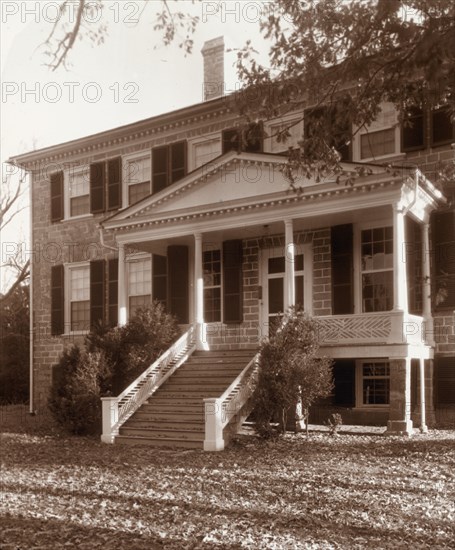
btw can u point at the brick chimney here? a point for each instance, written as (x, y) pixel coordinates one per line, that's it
(213, 52)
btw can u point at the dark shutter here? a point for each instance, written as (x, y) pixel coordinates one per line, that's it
(178, 161)
(57, 300)
(443, 279)
(342, 269)
(160, 167)
(232, 281)
(57, 197)
(178, 283)
(159, 275)
(444, 374)
(114, 183)
(113, 292)
(97, 177)
(413, 130)
(97, 296)
(442, 127)
(344, 381)
(230, 140)
(413, 265)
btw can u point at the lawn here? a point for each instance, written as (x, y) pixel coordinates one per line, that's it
(350, 491)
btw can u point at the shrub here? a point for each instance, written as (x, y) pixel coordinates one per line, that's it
(289, 371)
(75, 392)
(334, 422)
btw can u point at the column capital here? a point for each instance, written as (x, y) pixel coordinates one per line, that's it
(198, 236)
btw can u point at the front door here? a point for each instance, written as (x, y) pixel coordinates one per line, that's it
(273, 266)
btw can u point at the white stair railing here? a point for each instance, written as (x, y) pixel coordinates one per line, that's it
(220, 411)
(117, 410)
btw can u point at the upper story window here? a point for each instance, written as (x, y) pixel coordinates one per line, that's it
(248, 139)
(377, 269)
(168, 165)
(276, 141)
(442, 127)
(137, 177)
(205, 151)
(413, 130)
(380, 139)
(79, 192)
(339, 131)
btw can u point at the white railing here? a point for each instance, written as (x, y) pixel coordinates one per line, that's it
(392, 327)
(117, 410)
(220, 411)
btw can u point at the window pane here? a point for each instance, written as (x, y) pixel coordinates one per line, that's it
(298, 264)
(276, 265)
(212, 305)
(139, 302)
(376, 144)
(138, 191)
(276, 295)
(377, 291)
(206, 151)
(138, 170)
(299, 292)
(140, 277)
(80, 205)
(80, 284)
(376, 391)
(80, 315)
(79, 183)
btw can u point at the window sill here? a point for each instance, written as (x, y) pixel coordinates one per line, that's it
(390, 156)
(78, 218)
(372, 408)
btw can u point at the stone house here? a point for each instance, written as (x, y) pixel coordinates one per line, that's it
(177, 208)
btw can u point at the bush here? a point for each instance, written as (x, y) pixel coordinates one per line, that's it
(75, 393)
(289, 372)
(109, 362)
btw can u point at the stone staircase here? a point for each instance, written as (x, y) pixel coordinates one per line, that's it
(174, 414)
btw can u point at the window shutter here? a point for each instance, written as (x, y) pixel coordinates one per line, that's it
(232, 281)
(443, 279)
(414, 265)
(159, 277)
(114, 183)
(113, 292)
(230, 140)
(413, 130)
(178, 282)
(178, 161)
(97, 177)
(160, 166)
(56, 197)
(57, 300)
(444, 374)
(344, 381)
(342, 269)
(97, 290)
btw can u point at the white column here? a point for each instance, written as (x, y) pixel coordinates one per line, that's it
(423, 416)
(400, 287)
(289, 256)
(426, 285)
(122, 286)
(201, 341)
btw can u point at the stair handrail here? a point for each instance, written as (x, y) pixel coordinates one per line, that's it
(117, 410)
(219, 411)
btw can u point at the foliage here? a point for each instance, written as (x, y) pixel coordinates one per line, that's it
(75, 392)
(127, 351)
(323, 492)
(334, 423)
(289, 371)
(350, 56)
(14, 346)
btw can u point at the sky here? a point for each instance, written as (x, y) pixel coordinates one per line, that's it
(132, 75)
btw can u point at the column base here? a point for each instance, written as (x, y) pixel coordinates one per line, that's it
(423, 429)
(399, 427)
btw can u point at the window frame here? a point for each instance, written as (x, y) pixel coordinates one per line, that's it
(68, 268)
(359, 379)
(281, 123)
(376, 126)
(126, 160)
(133, 258)
(75, 169)
(214, 136)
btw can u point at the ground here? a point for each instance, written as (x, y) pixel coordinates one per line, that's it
(348, 491)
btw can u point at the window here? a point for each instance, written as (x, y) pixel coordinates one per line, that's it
(381, 138)
(212, 286)
(79, 294)
(377, 269)
(374, 382)
(248, 139)
(168, 165)
(444, 375)
(138, 177)
(442, 127)
(279, 145)
(205, 151)
(333, 124)
(79, 192)
(139, 284)
(413, 130)
(443, 237)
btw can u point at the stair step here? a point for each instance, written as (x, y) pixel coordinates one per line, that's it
(236, 360)
(174, 426)
(164, 434)
(169, 416)
(153, 442)
(176, 395)
(178, 387)
(225, 353)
